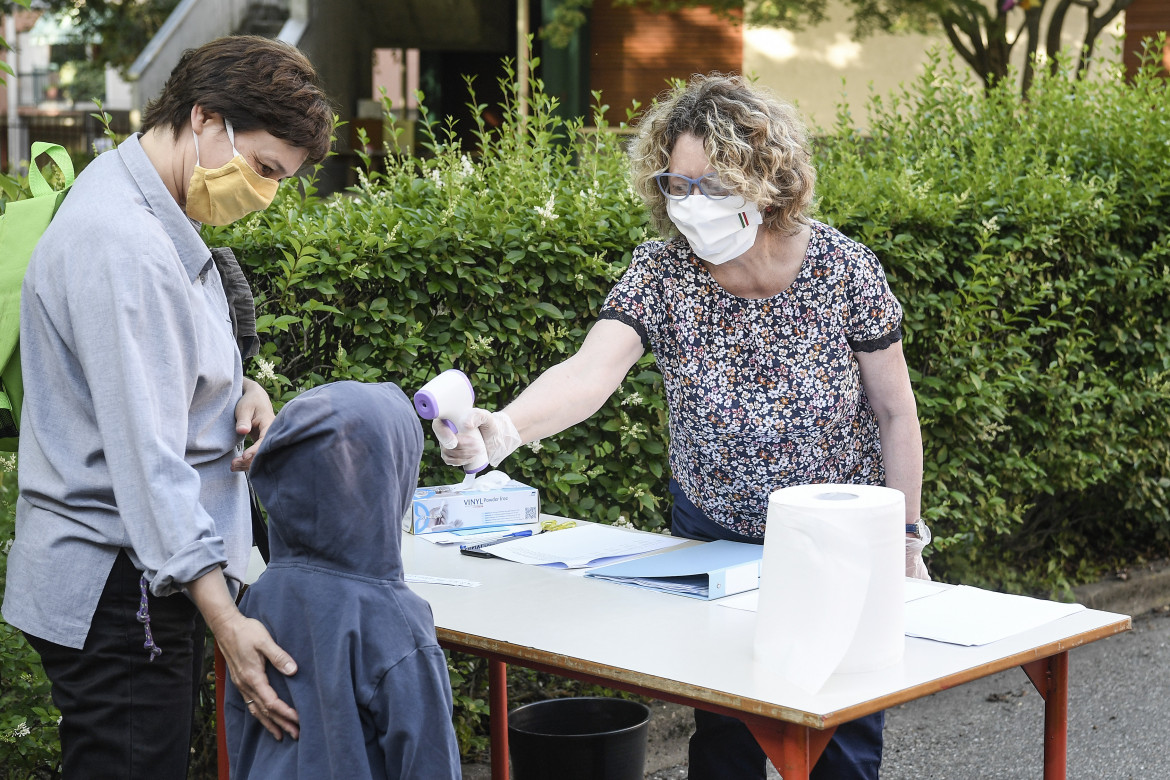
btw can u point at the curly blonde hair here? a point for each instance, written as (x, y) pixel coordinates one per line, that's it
(755, 141)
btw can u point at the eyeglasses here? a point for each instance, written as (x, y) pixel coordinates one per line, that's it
(678, 187)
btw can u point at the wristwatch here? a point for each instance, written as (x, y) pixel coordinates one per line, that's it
(919, 530)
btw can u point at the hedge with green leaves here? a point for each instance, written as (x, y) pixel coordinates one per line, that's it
(1026, 240)
(1029, 244)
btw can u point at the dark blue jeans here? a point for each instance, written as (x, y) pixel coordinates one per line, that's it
(722, 747)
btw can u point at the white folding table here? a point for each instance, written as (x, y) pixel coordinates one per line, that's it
(699, 653)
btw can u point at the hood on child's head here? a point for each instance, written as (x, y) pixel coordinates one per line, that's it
(336, 472)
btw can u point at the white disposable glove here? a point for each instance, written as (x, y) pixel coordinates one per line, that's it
(915, 566)
(484, 437)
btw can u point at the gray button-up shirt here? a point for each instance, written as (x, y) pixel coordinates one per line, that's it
(131, 378)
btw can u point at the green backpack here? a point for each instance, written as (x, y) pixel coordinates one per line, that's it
(21, 227)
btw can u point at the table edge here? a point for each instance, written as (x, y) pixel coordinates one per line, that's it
(666, 689)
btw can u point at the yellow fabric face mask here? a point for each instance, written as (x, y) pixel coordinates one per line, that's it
(228, 193)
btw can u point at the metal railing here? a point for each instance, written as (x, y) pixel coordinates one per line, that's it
(77, 131)
(38, 87)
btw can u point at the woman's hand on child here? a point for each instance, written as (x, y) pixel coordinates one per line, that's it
(247, 647)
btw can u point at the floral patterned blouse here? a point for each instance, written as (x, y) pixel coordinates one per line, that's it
(763, 393)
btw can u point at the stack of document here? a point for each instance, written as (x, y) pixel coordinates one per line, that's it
(477, 534)
(703, 571)
(588, 544)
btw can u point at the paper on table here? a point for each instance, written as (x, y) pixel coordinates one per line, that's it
(970, 616)
(583, 545)
(475, 535)
(957, 614)
(919, 589)
(915, 589)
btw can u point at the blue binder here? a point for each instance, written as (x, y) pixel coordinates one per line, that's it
(703, 571)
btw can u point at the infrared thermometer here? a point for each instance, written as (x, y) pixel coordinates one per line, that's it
(448, 398)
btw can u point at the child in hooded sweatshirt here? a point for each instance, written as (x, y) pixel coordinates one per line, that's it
(336, 472)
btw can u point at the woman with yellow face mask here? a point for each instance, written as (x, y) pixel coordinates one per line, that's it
(133, 526)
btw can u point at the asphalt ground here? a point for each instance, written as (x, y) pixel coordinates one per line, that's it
(992, 729)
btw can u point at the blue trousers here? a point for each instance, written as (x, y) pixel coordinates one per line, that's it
(722, 747)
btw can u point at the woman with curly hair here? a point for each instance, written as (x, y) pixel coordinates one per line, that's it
(779, 343)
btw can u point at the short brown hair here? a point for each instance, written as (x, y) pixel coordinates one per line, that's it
(255, 83)
(755, 141)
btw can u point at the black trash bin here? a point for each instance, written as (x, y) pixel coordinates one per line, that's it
(583, 738)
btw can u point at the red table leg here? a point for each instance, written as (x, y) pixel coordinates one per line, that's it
(793, 749)
(220, 735)
(498, 714)
(1050, 676)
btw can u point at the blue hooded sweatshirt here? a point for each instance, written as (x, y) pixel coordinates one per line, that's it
(336, 473)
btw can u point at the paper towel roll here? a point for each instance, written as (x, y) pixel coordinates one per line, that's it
(831, 582)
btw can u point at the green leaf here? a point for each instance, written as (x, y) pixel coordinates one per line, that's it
(550, 310)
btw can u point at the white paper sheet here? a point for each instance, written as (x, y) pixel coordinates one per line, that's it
(915, 589)
(583, 545)
(956, 614)
(970, 616)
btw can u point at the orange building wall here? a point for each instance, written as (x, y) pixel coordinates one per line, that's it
(1145, 18)
(633, 53)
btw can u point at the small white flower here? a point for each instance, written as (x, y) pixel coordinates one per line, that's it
(536, 446)
(622, 522)
(468, 168)
(440, 310)
(436, 178)
(253, 223)
(547, 211)
(266, 372)
(480, 346)
(394, 232)
(635, 431)
(8, 462)
(634, 398)
(991, 225)
(21, 730)
(992, 431)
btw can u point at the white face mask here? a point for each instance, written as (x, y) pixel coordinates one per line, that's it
(718, 230)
